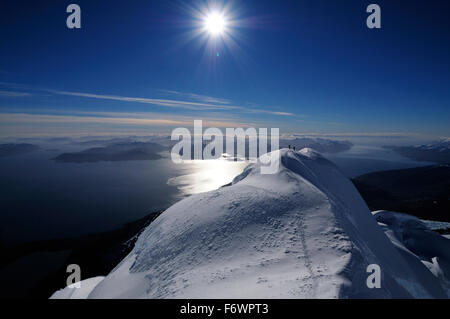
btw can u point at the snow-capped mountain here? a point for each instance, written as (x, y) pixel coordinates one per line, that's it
(438, 152)
(441, 146)
(304, 232)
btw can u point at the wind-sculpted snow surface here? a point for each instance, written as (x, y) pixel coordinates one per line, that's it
(303, 232)
(419, 244)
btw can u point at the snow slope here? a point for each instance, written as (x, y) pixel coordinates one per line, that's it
(304, 232)
(418, 243)
(83, 292)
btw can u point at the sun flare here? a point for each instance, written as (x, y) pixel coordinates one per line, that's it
(215, 23)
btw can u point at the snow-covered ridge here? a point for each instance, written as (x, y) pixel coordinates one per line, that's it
(441, 145)
(304, 232)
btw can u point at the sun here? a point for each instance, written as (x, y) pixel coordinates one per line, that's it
(217, 26)
(215, 23)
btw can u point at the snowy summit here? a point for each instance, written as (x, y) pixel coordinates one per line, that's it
(304, 232)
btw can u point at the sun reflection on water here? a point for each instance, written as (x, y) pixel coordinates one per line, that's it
(206, 175)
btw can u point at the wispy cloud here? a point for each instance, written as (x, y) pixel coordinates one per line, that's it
(187, 101)
(13, 94)
(198, 97)
(190, 105)
(272, 112)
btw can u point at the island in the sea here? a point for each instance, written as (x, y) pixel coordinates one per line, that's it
(135, 151)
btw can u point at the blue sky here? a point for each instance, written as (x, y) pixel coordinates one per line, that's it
(146, 66)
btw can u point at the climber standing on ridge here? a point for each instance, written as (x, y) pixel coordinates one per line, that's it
(289, 146)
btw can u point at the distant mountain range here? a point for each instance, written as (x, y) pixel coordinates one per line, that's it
(134, 148)
(319, 144)
(121, 149)
(438, 152)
